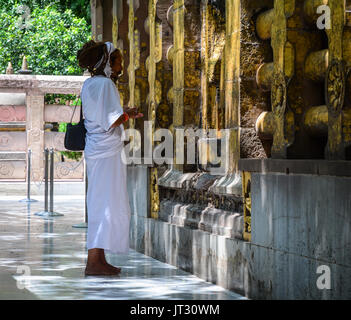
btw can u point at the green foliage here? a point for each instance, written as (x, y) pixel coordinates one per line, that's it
(49, 34)
(80, 8)
(67, 99)
(69, 154)
(49, 39)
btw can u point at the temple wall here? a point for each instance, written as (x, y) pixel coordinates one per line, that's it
(264, 71)
(294, 231)
(253, 101)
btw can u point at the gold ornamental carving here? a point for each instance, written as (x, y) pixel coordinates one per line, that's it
(155, 92)
(154, 193)
(335, 87)
(278, 95)
(283, 71)
(246, 189)
(335, 82)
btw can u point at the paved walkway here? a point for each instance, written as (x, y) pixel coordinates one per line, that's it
(53, 254)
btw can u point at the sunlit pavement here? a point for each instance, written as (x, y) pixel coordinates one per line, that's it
(44, 258)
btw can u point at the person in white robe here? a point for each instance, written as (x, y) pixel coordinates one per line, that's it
(107, 198)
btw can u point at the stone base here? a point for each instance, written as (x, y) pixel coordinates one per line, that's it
(249, 269)
(229, 184)
(38, 189)
(300, 221)
(208, 219)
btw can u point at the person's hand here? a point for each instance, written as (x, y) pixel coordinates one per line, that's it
(133, 113)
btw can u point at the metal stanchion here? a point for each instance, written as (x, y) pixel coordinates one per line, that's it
(50, 213)
(84, 224)
(29, 168)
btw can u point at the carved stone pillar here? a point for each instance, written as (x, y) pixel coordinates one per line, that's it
(178, 70)
(152, 101)
(131, 68)
(283, 71)
(335, 82)
(117, 15)
(204, 63)
(232, 84)
(96, 19)
(35, 132)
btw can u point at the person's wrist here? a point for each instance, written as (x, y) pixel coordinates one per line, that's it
(126, 116)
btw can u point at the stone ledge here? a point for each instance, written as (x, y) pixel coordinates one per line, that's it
(313, 167)
(13, 155)
(12, 99)
(229, 184)
(61, 188)
(213, 220)
(257, 271)
(19, 126)
(42, 83)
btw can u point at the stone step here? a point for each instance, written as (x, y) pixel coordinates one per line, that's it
(38, 189)
(19, 126)
(213, 220)
(6, 155)
(13, 99)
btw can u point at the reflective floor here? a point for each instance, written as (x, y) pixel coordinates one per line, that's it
(44, 258)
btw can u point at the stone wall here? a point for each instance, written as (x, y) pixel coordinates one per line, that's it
(25, 121)
(294, 231)
(262, 70)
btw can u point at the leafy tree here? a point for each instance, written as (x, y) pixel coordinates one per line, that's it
(81, 8)
(49, 37)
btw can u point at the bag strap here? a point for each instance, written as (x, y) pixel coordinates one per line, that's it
(81, 110)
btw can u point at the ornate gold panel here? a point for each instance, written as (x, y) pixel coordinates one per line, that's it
(246, 185)
(284, 59)
(335, 82)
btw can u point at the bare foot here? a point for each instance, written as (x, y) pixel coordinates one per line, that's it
(103, 260)
(116, 269)
(101, 270)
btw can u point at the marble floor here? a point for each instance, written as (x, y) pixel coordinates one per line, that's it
(44, 258)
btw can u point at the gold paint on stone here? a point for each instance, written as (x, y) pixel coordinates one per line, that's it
(246, 190)
(316, 65)
(264, 75)
(264, 24)
(335, 82)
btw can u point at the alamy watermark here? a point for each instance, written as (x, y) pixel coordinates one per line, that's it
(23, 22)
(23, 280)
(202, 147)
(324, 21)
(324, 280)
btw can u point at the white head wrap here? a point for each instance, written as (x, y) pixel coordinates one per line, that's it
(107, 69)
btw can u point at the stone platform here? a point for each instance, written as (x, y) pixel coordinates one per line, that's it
(55, 255)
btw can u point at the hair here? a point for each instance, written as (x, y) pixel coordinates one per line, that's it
(91, 53)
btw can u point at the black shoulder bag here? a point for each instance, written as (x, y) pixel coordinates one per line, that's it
(75, 134)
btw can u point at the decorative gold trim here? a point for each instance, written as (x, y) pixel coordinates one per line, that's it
(335, 82)
(284, 60)
(246, 187)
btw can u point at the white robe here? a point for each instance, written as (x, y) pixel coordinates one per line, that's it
(107, 198)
